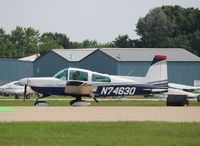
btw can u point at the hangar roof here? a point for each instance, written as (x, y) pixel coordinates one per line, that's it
(74, 54)
(146, 54)
(129, 54)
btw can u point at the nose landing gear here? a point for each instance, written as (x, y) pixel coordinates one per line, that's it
(41, 103)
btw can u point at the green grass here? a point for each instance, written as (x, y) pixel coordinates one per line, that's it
(99, 134)
(63, 102)
(101, 103)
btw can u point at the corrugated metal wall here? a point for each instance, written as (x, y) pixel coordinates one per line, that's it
(178, 72)
(99, 62)
(133, 68)
(50, 64)
(12, 69)
(184, 72)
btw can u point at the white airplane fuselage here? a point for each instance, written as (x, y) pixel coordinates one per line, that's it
(81, 82)
(56, 86)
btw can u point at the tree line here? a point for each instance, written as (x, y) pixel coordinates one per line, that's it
(171, 27)
(22, 42)
(162, 27)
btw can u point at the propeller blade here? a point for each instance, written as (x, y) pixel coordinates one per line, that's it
(25, 88)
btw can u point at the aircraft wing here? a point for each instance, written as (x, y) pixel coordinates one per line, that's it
(111, 89)
(172, 91)
(181, 86)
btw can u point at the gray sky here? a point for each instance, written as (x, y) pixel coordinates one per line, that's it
(102, 20)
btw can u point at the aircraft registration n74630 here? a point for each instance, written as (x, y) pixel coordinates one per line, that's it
(127, 89)
(117, 91)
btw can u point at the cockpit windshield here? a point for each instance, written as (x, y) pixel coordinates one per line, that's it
(63, 74)
(18, 84)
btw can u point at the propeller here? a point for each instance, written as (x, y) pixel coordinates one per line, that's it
(25, 89)
(25, 86)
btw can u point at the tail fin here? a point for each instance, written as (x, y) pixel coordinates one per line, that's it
(157, 72)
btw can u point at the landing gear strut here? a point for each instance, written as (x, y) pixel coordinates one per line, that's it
(41, 103)
(79, 102)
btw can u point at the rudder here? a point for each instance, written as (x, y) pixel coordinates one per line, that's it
(157, 72)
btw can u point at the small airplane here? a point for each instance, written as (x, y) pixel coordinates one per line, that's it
(180, 89)
(184, 87)
(190, 91)
(78, 82)
(14, 88)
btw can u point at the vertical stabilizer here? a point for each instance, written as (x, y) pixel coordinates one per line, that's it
(157, 72)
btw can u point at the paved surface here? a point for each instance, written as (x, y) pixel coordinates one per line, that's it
(173, 114)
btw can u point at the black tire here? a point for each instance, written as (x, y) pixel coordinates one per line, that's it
(177, 100)
(77, 103)
(41, 103)
(16, 96)
(28, 96)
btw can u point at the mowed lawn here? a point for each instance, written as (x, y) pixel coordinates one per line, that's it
(99, 134)
(93, 103)
(64, 101)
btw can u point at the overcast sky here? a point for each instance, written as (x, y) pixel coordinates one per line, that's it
(101, 20)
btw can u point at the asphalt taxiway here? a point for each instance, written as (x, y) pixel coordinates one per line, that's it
(172, 114)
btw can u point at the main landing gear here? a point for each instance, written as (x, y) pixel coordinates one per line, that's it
(76, 102)
(79, 102)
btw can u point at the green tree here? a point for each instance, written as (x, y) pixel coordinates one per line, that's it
(59, 38)
(195, 42)
(180, 41)
(155, 29)
(187, 27)
(170, 26)
(75, 44)
(89, 44)
(31, 41)
(18, 40)
(123, 41)
(46, 44)
(187, 20)
(3, 49)
(25, 41)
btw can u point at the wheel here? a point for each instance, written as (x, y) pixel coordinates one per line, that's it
(177, 100)
(79, 103)
(16, 96)
(28, 96)
(41, 103)
(187, 102)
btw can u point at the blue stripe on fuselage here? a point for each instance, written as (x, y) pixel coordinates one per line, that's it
(50, 90)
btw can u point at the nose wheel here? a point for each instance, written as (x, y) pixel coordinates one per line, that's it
(41, 103)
